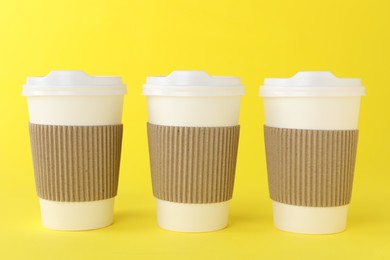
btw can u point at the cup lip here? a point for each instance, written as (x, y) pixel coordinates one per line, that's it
(188, 83)
(73, 83)
(191, 91)
(312, 84)
(267, 91)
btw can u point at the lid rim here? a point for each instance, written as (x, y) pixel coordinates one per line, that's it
(73, 82)
(312, 83)
(157, 90)
(185, 78)
(73, 91)
(293, 91)
(192, 83)
(53, 87)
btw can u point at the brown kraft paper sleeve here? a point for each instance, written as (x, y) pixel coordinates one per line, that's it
(76, 163)
(193, 164)
(310, 167)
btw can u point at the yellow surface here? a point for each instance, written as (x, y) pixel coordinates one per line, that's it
(249, 39)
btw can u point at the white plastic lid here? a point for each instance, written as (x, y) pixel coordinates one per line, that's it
(306, 84)
(73, 82)
(192, 83)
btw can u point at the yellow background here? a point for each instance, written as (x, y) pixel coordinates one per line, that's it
(249, 39)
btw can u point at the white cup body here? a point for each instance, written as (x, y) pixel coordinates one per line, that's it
(206, 106)
(76, 111)
(309, 220)
(51, 103)
(320, 108)
(316, 113)
(193, 112)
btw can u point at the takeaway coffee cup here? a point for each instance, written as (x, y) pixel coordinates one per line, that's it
(193, 139)
(311, 133)
(76, 135)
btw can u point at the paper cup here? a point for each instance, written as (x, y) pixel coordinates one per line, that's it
(311, 123)
(193, 138)
(75, 132)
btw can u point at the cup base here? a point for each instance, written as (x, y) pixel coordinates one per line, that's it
(184, 217)
(77, 215)
(309, 220)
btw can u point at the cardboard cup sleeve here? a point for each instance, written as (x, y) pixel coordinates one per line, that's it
(193, 164)
(76, 163)
(311, 168)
